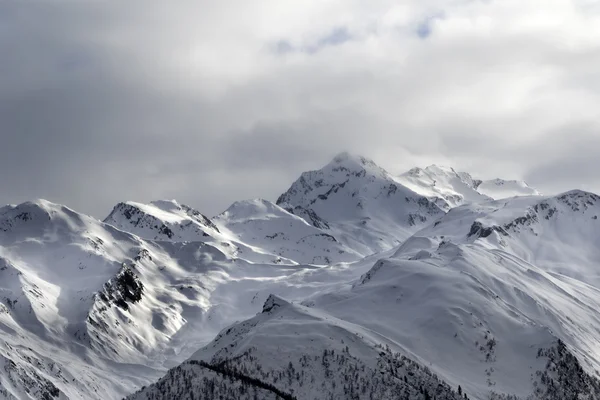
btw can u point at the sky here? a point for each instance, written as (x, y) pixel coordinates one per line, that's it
(210, 102)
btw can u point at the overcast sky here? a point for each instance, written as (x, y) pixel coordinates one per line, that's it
(209, 102)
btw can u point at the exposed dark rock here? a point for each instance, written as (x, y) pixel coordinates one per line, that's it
(479, 231)
(124, 289)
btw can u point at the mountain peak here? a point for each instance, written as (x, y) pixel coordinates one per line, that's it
(502, 188)
(37, 213)
(251, 208)
(357, 198)
(161, 220)
(347, 157)
(447, 187)
(450, 188)
(346, 163)
(273, 302)
(440, 169)
(37, 204)
(434, 171)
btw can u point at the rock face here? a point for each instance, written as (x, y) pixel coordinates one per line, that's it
(124, 289)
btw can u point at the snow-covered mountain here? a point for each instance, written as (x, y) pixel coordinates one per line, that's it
(357, 284)
(297, 352)
(500, 188)
(364, 206)
(78, 296)
(449, 188)
(162, 220)
(443, 185)
(468, 301)
(91, 311)
(254, 230)
(266, 227)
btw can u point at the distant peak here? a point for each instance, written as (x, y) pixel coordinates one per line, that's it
(253, 208)
(252, 203)
(440, 169)
(38, 205)
(37, 212)
(433, 170)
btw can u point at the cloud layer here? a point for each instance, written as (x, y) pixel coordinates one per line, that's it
(210, 102)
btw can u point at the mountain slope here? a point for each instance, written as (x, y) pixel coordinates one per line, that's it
(93, 300)
(303, 353)
(89, 311)
(396, 291)
(458, 283)
(557, 233)
(449, 188)
(162, 220)
(269, 228)
(364, 206)
(500, 188)
(444, 185)
(459, 297)
(254, 230)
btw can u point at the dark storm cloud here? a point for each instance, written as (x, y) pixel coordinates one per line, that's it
(213, 102)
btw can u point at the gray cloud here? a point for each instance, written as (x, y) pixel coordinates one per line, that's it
(213, 102)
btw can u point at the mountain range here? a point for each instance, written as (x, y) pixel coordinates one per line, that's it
(355, 284)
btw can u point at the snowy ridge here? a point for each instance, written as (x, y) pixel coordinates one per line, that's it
(365, 207)
(269, 228)
(444, 185)
(253, 230)
(459, 297)
(366, 285)
(500, 188)
(449, 188)
(68, 281)
(307, 354)
(558, 233)
(162, 220)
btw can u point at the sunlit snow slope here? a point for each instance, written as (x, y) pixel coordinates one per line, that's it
(364, 206)
(356, 284)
